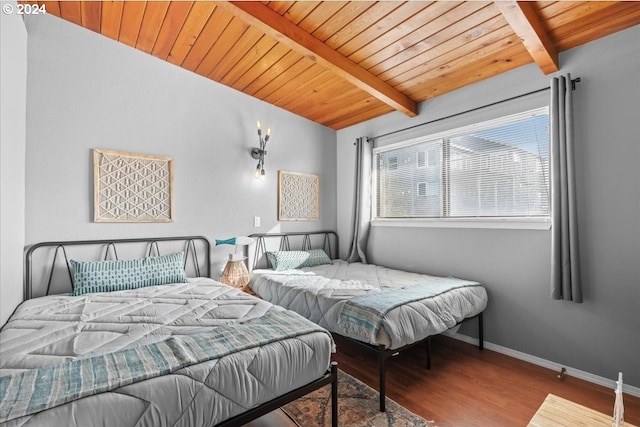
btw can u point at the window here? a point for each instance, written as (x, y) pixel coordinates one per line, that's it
(392, 163)
(495, 169)
(428, 189)
(422, 189)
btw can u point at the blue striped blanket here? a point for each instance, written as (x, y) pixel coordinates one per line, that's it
(363, 315)
(32, 391)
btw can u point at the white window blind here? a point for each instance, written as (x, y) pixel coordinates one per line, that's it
(493, 169)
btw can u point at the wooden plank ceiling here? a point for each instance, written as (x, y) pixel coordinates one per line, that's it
(341, 63)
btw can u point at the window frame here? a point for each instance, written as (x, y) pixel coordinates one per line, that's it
(530, 222)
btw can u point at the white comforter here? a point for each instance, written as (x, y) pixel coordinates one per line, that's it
(319, 293)
(55, 329)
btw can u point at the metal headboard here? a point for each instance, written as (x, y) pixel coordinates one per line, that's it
(328, 239)
(197, 255)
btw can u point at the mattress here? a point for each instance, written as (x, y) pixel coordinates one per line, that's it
(320, 293)
(57, 329)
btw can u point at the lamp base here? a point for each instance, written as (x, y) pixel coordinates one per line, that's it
(235, 274)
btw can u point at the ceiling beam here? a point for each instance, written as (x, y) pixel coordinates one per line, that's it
(284, 31)
(524, 21)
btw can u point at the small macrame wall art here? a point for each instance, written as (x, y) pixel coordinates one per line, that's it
(132, 187)
(298, 196)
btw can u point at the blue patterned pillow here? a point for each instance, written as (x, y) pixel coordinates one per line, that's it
(118, 275)
(288, 260)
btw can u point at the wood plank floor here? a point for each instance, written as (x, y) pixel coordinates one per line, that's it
(467, 387)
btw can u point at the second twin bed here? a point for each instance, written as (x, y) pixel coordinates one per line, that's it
(384, 309)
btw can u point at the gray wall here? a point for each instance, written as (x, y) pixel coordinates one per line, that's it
(599, 336)
(13, 74)
(86, 91)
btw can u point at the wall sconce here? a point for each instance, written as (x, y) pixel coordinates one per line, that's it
(259, 152)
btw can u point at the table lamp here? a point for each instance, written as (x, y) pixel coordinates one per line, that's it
(235, 271)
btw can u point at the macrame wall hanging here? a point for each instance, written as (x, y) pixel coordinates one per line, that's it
(132, 187)
(298, 196)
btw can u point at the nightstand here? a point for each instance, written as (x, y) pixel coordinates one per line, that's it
(557, 412)
(248, 290)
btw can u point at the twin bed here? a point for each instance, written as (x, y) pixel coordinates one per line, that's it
(191, 353)
(198, 352)
(383, 309)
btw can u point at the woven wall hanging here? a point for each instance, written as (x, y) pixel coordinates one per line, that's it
(298, 196)
(132, 187)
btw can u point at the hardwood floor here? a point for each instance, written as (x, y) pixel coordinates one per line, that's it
(467, 387)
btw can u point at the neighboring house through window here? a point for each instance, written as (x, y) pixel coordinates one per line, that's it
(494, 169)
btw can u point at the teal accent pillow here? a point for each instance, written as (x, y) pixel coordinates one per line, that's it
(289, 260)
(118, 275)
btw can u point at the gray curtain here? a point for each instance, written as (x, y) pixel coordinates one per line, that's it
(362, 202)
(565, 255)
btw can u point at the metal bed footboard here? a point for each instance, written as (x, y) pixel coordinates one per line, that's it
(331, 377)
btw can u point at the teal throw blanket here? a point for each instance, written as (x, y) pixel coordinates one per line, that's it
(363, 315)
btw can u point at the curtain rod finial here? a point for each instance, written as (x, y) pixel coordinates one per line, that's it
(574, 81)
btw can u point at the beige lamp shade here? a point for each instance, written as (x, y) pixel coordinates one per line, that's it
(235, 274)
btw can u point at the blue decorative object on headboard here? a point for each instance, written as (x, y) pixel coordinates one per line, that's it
(231, 241)
(237, 241)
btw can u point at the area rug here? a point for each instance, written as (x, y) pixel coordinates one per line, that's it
(358, 406)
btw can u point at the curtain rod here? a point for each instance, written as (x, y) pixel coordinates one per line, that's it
(573, 87)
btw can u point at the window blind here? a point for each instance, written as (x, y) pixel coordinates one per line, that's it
(498, 168)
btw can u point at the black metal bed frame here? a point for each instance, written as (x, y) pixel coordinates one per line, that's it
(382, 352)
(191, 253)
(285, 244)
(110, 247)
(331, 377)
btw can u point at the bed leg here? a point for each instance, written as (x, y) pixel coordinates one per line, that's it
(381, 366)
(334, 395)
(428, 352)
(480, 331)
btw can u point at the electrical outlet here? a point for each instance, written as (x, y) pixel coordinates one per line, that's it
(256, 221)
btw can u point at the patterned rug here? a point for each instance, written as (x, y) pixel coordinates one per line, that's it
(357, 407)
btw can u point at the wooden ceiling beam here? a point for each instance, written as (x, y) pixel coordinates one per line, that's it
(274, 25)
(524, 21)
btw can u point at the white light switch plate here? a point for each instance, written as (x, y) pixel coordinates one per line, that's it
(256, 221)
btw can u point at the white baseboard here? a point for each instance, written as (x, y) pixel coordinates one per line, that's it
(577, 373)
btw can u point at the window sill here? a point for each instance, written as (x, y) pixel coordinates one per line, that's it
(495, 223)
